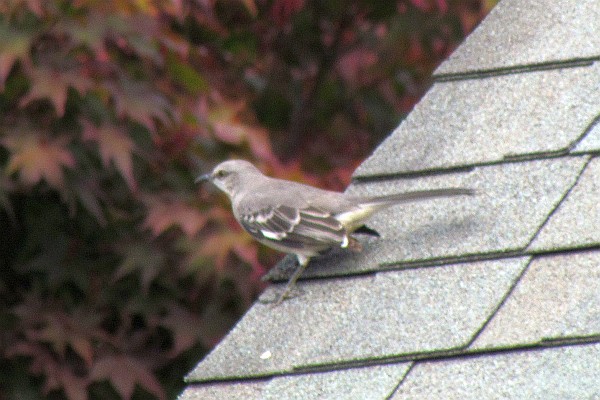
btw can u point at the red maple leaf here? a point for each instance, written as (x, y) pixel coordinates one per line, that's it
(124, 372)
(36, 157)
(53, 83)
(114, 146)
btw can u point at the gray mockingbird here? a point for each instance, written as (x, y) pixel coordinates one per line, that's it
(301, 219)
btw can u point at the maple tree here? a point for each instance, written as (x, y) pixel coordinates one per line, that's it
(116, 272)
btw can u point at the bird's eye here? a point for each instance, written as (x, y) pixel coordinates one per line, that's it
(221, 174)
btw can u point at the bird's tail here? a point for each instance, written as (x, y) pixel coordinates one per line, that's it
(354, 219)
(418, 195)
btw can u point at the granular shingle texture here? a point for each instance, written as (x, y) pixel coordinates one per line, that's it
(576, 223)
(558, 297)
(522, 33)
(492, 296)
(478, 121)
(348, 384)
(551, 374)
(373, 316)
(591, 142)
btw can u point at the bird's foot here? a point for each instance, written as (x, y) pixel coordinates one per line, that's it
(291, 285)
(279, 297)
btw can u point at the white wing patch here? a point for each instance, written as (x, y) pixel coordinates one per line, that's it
(345, 242)
(262, 218)
(304, 228)
(273, 235)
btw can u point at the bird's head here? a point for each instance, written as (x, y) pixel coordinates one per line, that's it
(230, 176)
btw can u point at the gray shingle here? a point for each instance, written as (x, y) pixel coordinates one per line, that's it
(540, 94)
(558, 296)
(514, 201)
(373, 382)
(524, 32)
(576, 222)
(227, 391)
(557, 373)
(591, 142)
(359, 318)
(485, 120)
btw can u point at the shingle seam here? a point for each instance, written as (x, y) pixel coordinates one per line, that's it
(573, 249)
(408, 265)
(520, 69)
(449, 354)
(442, 262)
(591, 152)
(507, 159)
(540, 155)
(561, 201)
(401, 381)
(198, 383)
(473, 355)
(359, 179)
(313, 369)
(500, 304)
(492, 256)
(587, 130)
(414, 358)
(569, 341)
(265, 377)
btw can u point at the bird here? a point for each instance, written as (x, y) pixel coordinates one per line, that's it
(303, 220)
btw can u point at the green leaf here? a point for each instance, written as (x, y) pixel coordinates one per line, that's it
(185, 75)
(14, 45)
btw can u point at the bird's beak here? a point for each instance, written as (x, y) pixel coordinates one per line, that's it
(203, 178)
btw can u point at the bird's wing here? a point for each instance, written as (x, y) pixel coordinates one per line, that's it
(295, 228)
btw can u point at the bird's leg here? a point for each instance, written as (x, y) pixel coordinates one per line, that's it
(354, 245)
(302, 263)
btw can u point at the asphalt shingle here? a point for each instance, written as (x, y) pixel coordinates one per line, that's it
(518, 326)
(362, 318)
(556, 373)
(514, 200)
(576, 222)
(487, 120)
(366, 383)
(557, 297)
(375, 382)
(540, 32)
(248, 390)
(591, 142)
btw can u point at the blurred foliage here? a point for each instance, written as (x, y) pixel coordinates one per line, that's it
(116, 273)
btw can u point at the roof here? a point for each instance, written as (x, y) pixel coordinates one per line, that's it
(491, 296)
